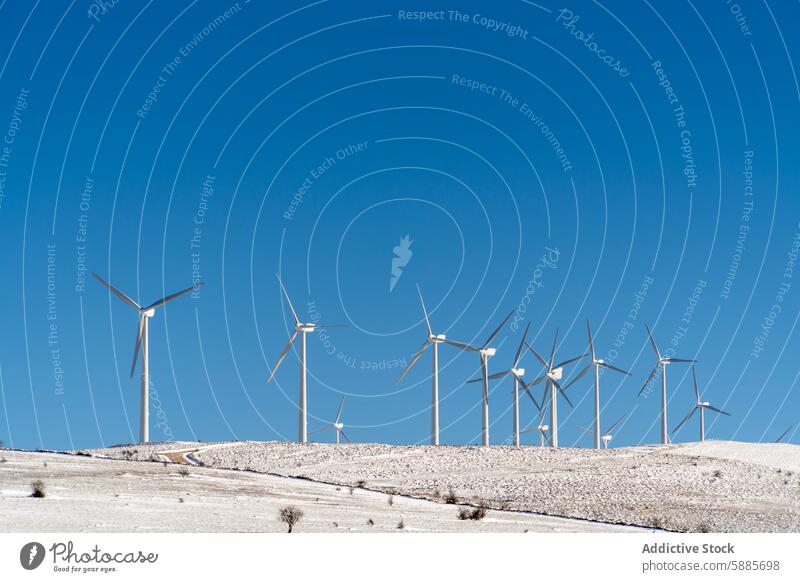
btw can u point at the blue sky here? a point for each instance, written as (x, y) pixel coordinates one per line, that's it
(647, 150)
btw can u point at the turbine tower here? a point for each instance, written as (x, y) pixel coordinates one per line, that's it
(701, 406)
(541, 427)
(663, 362)
(596, 364)
(485, 352)
(300, 329)
(143, 344)
(432, 340)
(607, 436)
(337, 425)
(553, 374)
(518, 374)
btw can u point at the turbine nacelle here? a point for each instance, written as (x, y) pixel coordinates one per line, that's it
(306, 327)
(148, 312)
(556, 374)
(518, 372)
(488, 352)
(607, 437)
(338, 426)
(599, 362)
(438, 339)
(543, 427)
(703, 404)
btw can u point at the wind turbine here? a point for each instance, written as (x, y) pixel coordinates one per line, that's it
(300, 329)
(143, 343)
(783, 435)
(553, 374)
(663, 361)
(608, 435)
(432, 340)
(517, 374)
(485, 352)
(337, 425)
(541, 427)
(701, 406)
(596, 364)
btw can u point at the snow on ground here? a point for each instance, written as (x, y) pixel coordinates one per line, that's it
(679, 488)
(776, 455)
(85, 494)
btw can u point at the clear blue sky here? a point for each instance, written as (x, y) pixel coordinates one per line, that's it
(650, 146)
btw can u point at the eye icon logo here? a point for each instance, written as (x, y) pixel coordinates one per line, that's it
(31, 555)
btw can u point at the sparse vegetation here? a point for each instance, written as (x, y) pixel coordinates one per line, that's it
(183, 472)
(361, 484)
(474, 513)
(38, 488)
(703, 528)
(401, 524)
(370, 523)
(717, 474)
(451, 497)
(390, 501)
(656, 522)
(3, 460)
(291, 515)
(180, 500)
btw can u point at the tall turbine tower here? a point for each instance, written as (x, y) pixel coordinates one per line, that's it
(143, 343)
(485, 352)
(663, 362)
(553, 375)
(300, 329)
(517, 374)
(432, 340)
(596, 364)
(701, 406)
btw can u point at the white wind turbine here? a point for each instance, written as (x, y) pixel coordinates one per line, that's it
(701, 406)
(553, 374)
(300, 329)
(485, 352)
(607, 436)
(432, 340)
(663, 362)
(517, 373)
(143, 343)
(596, 364)
(337, 425)
(541, 427)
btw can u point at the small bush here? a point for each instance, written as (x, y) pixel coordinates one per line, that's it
(717, 474)
(3, 460)
(180, 500)
(370, 523)
(451, 498)
(290, 515)
(390, 501)
(183, 472)
(474, 514)
(703, 528)
(361, 484)
(656, 522)
(37, 488)
(401, 524)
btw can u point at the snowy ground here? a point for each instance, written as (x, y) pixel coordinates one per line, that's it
(85, 494)
(716, 486)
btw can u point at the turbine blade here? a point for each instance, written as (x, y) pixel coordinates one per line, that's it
(424, 311)
(326, 427)
(613, 426)
(683, 361)
(694, 382)
(553, 351)
(564, 394)
(283, 355)
(138, 344)
(535, 382)
(168, 298)
(413, 361)
(783, 434)
(491, 377)
(521, 345)
(580, 375)
(339, 413)
(591, 340)
(652, 341)
(535, 353)
(570, 361)
(462, 346)
(331, 325)
(685, 418)
(584, 429)
(497, 329)
(715, 409)
(117, 292)
(528, 392)
(289, 301)
(346, 438)
(650, 377)
(610, 367)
